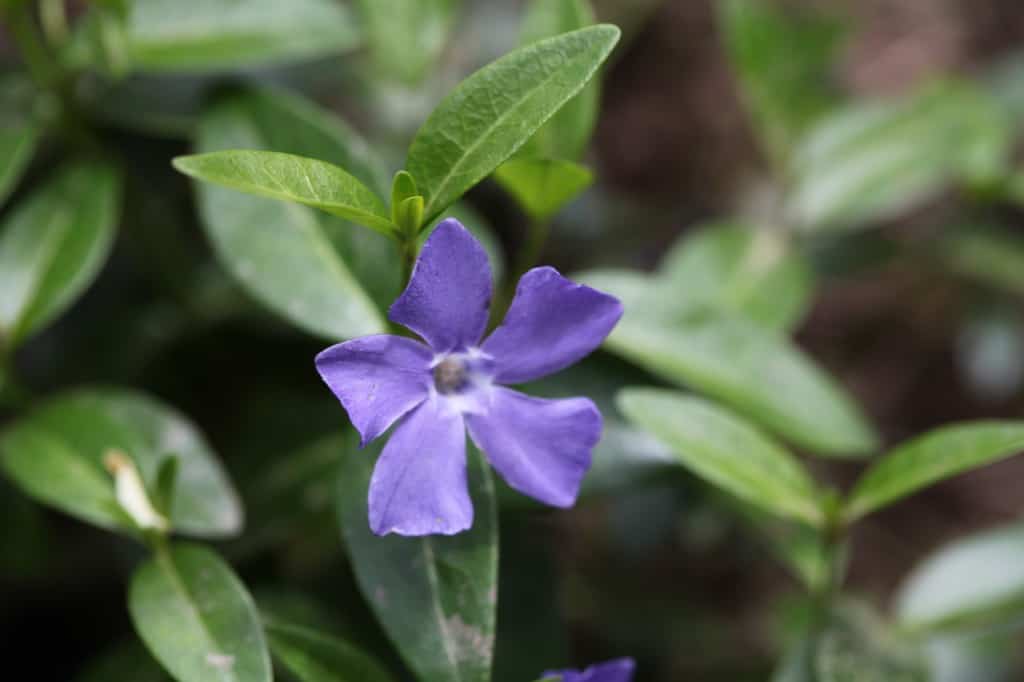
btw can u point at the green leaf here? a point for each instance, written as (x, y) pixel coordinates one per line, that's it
(755, 371)
(16, 146)
(783, 63)
(315, 270)
(163, 487)
(543, 186)
(873, 161)
(435, 595)
(314, 657)
(52, 246)
(857, 647)
(569, 131)
(55, 453)
(932, 457)
(725, 451)
(492, 113)
(987, 254)
(973, 583)
(197, 618)
(733, 268)
(291, 178)
(403, 187)
(406, 37)
(198, 35)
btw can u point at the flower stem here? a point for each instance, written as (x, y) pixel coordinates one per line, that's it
(407, 249)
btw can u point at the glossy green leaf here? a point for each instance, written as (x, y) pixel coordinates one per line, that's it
(197, 618)
(406, 37)
(52, 246)
(725, 450)
(55, 453)
(543, 186)
(291, 178)
(737, 269)
(873, 161)
(972, 583)
(753, 370)
(314, 657)
(783, 63)
(200, 35)
(566, 135)
(495, 111)
(16, 147)
(932, 457)
(435, 596)
(315, 270)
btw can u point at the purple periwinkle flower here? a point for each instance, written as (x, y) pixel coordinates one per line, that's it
(617, 670)
(453, 383)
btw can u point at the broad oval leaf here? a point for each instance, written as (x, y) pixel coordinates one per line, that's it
(932, 457)
(52, 246)
(315, 270)
(756, 371)
(199, 35)
(753, 272)
(566, 135)
(290, 177)
(495, 111)
(872, 161)
(314, 657)
(725, 451)
(197, 618)
(972, 583)
(55, 453)
(543, 186)
(16, 146)
(435, 596)
(406, 36)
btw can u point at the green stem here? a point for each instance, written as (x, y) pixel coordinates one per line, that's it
(834, 550)
(25, 34)
(407, 249)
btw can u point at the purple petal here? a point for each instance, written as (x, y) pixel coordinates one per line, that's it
(618, 670)
(551, 324)
(377, 379)
(419, 484)
(540, 447)
(449, 294)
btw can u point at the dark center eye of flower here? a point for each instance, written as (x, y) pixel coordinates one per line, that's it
(450, 375)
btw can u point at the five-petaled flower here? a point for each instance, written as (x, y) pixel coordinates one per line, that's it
(617, 670)
(438, 390)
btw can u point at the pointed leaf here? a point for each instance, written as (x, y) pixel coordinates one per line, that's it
(291, 178)
(566, 135)
(782, 62)
(435, 596)
(313, 657)
(755, 371)
(315, 270)
(932, 457)
(71, 433)
(543, 186)
(197, 618)
(52, 246)
(16, 146)
(407, 36)
(725, 450)
(496, 110)
(198, 35)
(973, 583)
